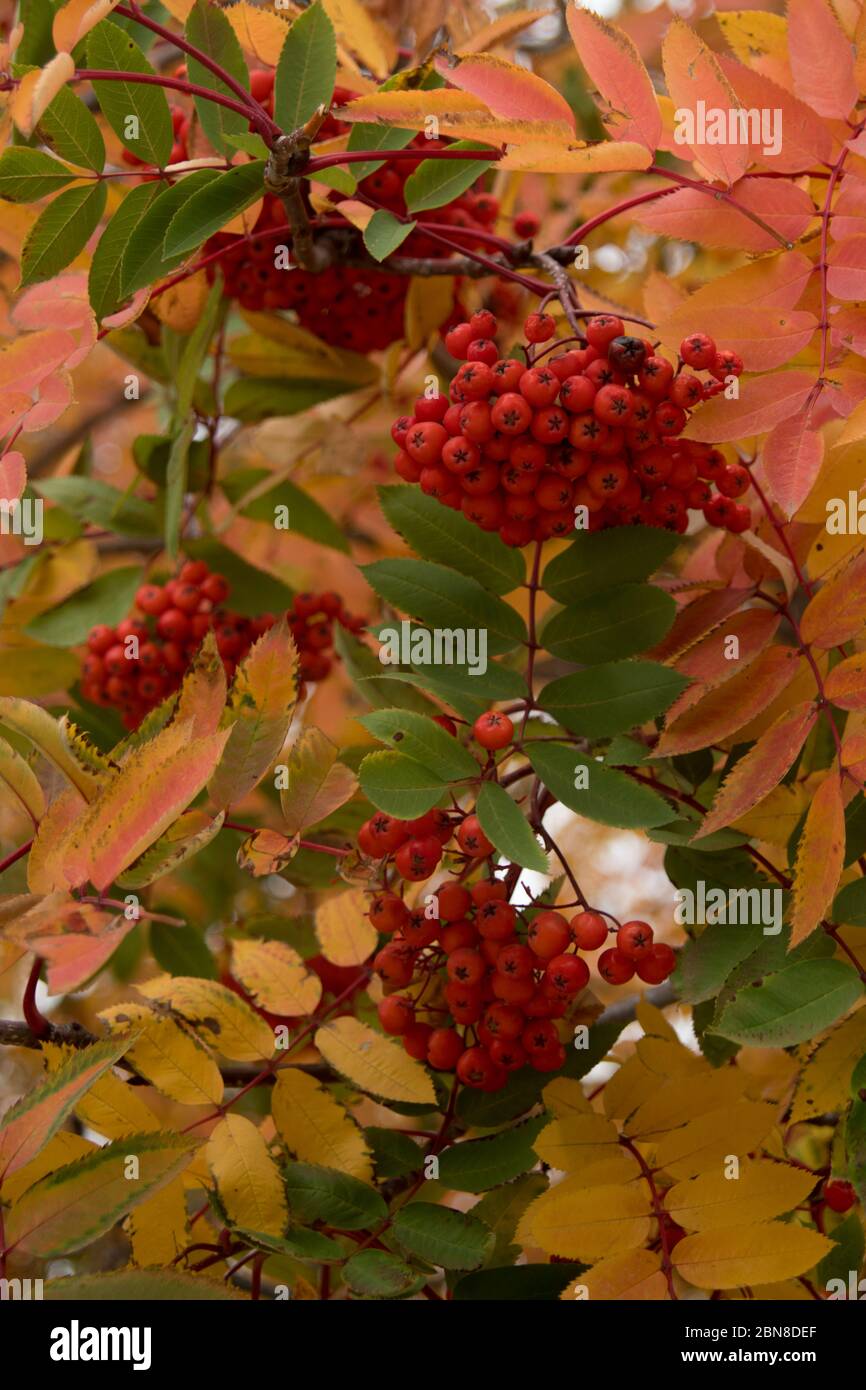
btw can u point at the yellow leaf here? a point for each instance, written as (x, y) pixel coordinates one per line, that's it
(838, 610)
(635, 1276)
(669, 1059)
(820, 858)
(754, 1254)
(169, 1057)
(576, 1139)
(458, 114)
(428, 304)
(258, 31)
(229, 1025)
(181, 306)
(157, 1228)
(823, 1083)
(276, 976)
(344, 931)
(261, 705)
(316, 1128)
(37, 90)
(565, 1098)
(544, 157)
(318, 784)
(247, 1178)
(588, 1225)
(113, 1108)
(361, 35)
(267, 852)
(685, 1099)
(738, 1130)
(761, 1191)
(60, 742)
(18, 781)
(654, 1023)
(628, 1088)
(64, 1148)
(374, 1063)
(75, 19)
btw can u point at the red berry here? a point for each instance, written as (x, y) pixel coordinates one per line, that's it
(734, 481)
(472, 840)
(548, 935)
(476, 1068)
(483, 324)
(193, 572)
(425, 442)
(526, 224)
(388, 912)
(589, 930)
(216, 588)
(656, 965)
(444, 1049)
(839, 1195)
(566, 975)
(539, 328)
(173, 625)
(151, 599)
(698, 351)
(418, 858)
(493, 730)
(615, 967)
(602, 329)
(635, 939)
(457, 340)
(396, 1014)
(416, 1040)
(516, 962)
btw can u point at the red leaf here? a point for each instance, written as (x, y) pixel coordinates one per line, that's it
(804, 136)
(733, 705)
(764, 401)
(846, 276)
(822, 58)
(696, 619)
(761, 769)
(13, 476)
(696, 216)
(849, 209)
(764, 338)
(615, 66)
(845, 685)
(506, 89)
(708, 663)
(792, 457)
(692, 74)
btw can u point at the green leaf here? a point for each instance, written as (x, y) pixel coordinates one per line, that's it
(415, 736)
(144, 261)
(608, 797)
(379, 1274)
(96, 502)
(394, 1154)
(307, 69)
(703, 965)
(322, 1194)
(506, 826)
(249, 143)
(26, 175)
(524, 1283)
(792, 1006)
(254, 398)
(602, 627)
(367, 673)
(176, 486)
(612, 698)
(194, 352)
(470, 695)
(305, 515)
(599, 560)
(71, 131)
(107, 600)
(502, 1208)
(105, 278)
(151, 135)
(63, 229)
(253, 591)
(182, 951)
(384, 233)
(442, 1236)
(398, 785)
(476, 1165)
(445, 600)
(436, 533)
(855, 1146)
(439, 181)
(211, 207)
(848, 1250)
(209, 30)
(849, 905)
(299, 1243)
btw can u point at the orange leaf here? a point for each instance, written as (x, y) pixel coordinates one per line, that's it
(502, 29)
(543, 157)
(845, 685)
(805, 137)
(822, 59)
(764, 402)
(73, 958)
(838, 610)
(696, 619)
(820, 858)
(507, 90)
(696, 216)
(764, 337)
(75, 19)
(37, 90)
(761, 769)
(725, 710)
(458, 113)
(631, 110)
(692, 73)
(709, 662)
(13, 476)
(26, 362)
(846, 273)
(792, 458)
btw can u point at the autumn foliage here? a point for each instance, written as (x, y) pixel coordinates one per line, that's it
(432, 652)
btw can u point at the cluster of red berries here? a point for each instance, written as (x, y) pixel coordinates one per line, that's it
(135, 665)
(351, 307)
(518, 446)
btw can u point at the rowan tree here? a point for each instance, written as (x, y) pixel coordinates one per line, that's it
(429, 460)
